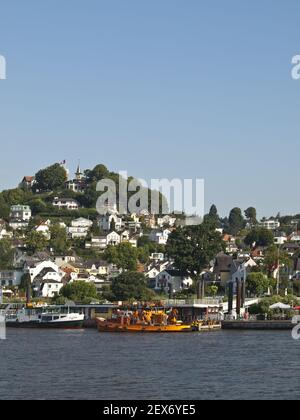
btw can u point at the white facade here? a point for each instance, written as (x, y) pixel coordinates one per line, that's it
(18, 224)
(113, 238)
(76, 186)
(160, 237)
(82, 222)
(166, 221)
(270, 224)
(80, 228)
(22, 213)
(65, 203)
(77, 232)
(44, 229)
(54, 272)
(97, 242)
(295, 237)
(157, 256)
(4, 233)
(50, 289)
(62, 260)
(172, 279)
(106, 221)
(102, 242)
(280, 240)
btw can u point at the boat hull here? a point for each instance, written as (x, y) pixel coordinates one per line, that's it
(107, 326)
(67, 325)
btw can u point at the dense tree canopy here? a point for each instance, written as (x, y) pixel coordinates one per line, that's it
(6, 254)
(258, 283)
(35, 241)
(259, 237)
(193, 247)
(251, 215)
(59, 241)
(123, 256)
(50, 178)
(131, 286)
(79, 292)
(213, 216)
(236, 221)
(275, 256)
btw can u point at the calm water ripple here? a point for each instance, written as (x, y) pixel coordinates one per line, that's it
(37, 364)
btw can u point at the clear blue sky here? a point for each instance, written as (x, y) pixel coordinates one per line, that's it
(161, 88)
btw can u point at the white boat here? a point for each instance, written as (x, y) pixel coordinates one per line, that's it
(31, 318)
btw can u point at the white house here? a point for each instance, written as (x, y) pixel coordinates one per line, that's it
(249, 263)
(65, 203)
(4, 233)
(173, 280)
(65, 259)
(97, 268)
(280, 238)
(156, 268)
(44, 228)
(106, 222)
(160, 237)
(78, 184)
(152, 273)
(80, 228)
(272, 224)
(131, 239)
(295, 237)
(19, 217)
(125, 236)
(113, 238)
(102, 242)
(166, 221)
(50, 288)
(97, 242)
(157, 256)
(19, 212)
(47, 270)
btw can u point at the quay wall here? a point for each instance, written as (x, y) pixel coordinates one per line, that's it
(257, 325)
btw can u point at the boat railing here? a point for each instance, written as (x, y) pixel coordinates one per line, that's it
(205, 301)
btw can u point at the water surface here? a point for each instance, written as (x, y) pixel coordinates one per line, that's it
(45, 364)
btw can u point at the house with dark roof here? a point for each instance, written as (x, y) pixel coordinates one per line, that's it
(223, 267)
(171, 280)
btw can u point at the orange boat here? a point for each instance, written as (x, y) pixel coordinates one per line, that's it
(143, 321)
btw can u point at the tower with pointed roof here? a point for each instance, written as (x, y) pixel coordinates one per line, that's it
(79, 174)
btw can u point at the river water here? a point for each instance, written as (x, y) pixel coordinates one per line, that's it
(45, 364)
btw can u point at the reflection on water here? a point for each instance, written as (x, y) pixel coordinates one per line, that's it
(38, 364)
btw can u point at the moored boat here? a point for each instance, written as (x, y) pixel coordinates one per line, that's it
(30, 319)
(148, 321)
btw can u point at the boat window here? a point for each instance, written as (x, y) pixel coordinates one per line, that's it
(55, 318)
(46, 318)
